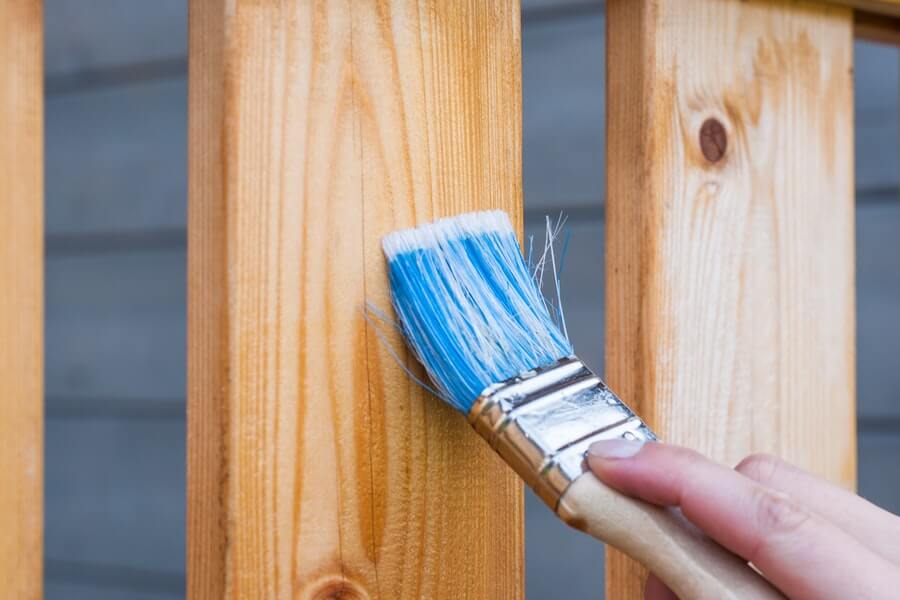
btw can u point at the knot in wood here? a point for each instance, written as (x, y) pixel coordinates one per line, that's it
(713, 140)
(339, 589)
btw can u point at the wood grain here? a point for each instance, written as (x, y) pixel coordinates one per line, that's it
(21, 299)
(316, 468)
(730, 290)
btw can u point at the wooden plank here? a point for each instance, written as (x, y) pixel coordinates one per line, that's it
(21, 299)
(730, 281)
(315, 466)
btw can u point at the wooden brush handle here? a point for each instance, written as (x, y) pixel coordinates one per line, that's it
(691, 564)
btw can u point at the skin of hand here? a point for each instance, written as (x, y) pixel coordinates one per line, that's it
(809, 538)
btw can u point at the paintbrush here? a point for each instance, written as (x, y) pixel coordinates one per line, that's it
(473, 314)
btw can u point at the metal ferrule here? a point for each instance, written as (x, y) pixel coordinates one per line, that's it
(542, 422)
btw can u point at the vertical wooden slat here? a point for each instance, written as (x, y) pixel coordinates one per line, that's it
(730, 298)
(316, 469)
(21, 298)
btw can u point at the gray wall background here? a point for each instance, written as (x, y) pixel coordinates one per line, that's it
(116, 110)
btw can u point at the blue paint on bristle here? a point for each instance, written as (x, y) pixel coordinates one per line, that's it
(468, 305)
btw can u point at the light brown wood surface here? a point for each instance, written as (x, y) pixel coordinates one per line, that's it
(21, 299)
(316, 468)
(730, 290)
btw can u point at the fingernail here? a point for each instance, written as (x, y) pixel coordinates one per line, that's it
(618, 448)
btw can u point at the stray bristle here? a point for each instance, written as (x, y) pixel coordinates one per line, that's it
(468, 305)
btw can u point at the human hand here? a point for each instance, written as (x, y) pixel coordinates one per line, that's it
(808, 537)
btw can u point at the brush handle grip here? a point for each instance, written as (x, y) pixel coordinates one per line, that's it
(691, 564)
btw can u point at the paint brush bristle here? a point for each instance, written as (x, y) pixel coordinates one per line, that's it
(468, 305)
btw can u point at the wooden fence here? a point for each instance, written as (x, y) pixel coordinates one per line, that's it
(314, 467)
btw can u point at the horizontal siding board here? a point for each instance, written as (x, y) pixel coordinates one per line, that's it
(80, 579)
(116, 207)
(110, 33)
(877, 157)
(581, 282)
(116, 159)
(116, 323)
(81, 36)
(876, 83)
(75, 591)
(876, 74)
(557, 557)
(879, 469)
(542, 8)
(115, 493)
(878, 310)
(115, 487)
(115, 327)
(563, 105)
(123, 490)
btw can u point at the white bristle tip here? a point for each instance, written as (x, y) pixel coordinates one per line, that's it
(431, 235)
